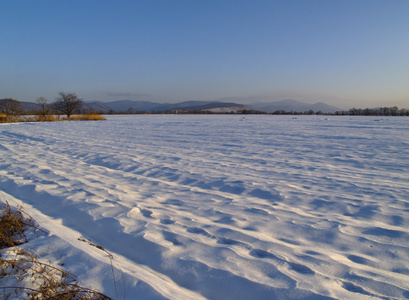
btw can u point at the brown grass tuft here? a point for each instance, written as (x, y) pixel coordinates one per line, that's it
(26, 275)
(51, 118)
(3, 117)
(46, 118)
(12, 226)
(87, 117)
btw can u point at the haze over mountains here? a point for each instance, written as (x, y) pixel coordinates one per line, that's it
(134, 106)
(214, 106)
(293, 105)
(138, 106)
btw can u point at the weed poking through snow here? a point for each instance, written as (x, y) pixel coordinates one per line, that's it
(23, 274)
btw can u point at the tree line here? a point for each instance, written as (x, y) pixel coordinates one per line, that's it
(69, 104)
(65, 104)
(386, 111)
(381, 111)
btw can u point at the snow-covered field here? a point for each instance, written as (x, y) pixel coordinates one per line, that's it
(219, 207)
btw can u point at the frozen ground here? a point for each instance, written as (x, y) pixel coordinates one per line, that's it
(220, 207)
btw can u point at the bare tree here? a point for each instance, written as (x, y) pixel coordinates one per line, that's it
(44, 107)
(67, 103)
(11, 108)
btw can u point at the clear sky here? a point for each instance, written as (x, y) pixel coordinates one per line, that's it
(344, 53)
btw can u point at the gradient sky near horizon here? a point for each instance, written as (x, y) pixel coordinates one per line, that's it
(344, 53)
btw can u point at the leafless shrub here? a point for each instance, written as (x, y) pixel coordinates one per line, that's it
(11, 109)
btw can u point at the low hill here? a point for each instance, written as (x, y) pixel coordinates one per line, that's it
(139, 106)
(132, 106)
(289, 105)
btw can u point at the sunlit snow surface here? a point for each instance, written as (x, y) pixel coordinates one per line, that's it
(223, 207)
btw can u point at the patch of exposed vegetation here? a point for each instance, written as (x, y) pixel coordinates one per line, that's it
(87, 117)
(67, 104)
(23, 274)
(52, 118)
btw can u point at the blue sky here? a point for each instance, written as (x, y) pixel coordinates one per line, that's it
(344, 53)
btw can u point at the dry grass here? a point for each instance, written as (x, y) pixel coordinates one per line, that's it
(26, 275)
(87, 117)
(3, 117)
(46, 118)
(51, 118)
(35, 279)
(12, 226)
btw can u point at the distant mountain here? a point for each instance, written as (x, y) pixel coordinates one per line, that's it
(125, 105)
(289, 105)
(325, 108)
(87, 106)
(95, 106)
(133, 106)
(216, 106)
(186, 105)
(29, 106)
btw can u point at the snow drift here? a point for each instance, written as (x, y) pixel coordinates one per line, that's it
(220, 207)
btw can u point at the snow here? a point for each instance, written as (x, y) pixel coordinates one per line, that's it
(219, 206)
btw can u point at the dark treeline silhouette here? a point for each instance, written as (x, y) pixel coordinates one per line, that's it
(381, 111)
(68, 104)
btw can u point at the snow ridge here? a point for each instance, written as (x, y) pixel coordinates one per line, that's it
(222, 206)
